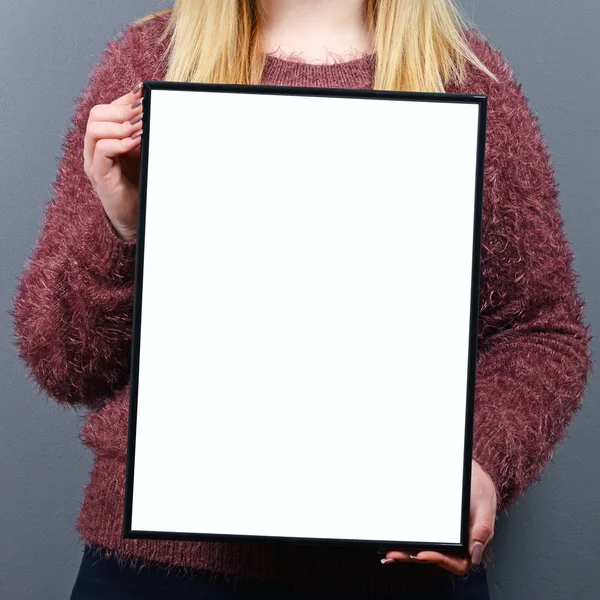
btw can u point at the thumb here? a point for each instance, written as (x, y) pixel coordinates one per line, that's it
(482, 530)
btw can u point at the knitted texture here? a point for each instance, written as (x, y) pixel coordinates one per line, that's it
(73, 305)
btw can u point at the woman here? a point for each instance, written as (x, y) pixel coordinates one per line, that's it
(73, 308)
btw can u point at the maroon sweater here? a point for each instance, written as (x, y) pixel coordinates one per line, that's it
(73, 317)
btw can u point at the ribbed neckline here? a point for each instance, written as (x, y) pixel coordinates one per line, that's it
(319, 65)
(346, 73)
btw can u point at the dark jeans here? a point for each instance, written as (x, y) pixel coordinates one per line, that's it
(100, 578)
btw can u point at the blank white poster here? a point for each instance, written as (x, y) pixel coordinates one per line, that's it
(305, 316)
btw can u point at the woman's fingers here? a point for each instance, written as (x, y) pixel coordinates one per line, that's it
(97, 160)
(397, 555)
(482, 528)
(119, 111)
(457, 564)
(108, 149)
(99, 130)
(483, 512)
(108, 122)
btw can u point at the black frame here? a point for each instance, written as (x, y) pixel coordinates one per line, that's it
(481, 101)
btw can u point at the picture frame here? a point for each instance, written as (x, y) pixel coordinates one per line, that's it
(305, 315)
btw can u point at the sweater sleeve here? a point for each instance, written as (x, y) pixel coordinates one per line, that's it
(534, 349)
(72, 310)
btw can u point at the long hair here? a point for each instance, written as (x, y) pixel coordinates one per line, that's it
(419, 45)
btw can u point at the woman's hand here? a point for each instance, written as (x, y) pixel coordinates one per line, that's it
(112, 158)
(481, 530)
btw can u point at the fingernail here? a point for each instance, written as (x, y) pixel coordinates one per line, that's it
(137, 133)
(386, 560)
(136, 103)
(413, 557)
(138, 87)
(477, 552)
(136, 119)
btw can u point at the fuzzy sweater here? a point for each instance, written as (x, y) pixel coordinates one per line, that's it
(72, 315)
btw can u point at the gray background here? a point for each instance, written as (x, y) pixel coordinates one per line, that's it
(546, 548)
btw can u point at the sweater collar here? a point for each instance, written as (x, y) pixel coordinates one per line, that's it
(354, 73)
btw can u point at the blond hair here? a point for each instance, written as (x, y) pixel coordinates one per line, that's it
(419, 45)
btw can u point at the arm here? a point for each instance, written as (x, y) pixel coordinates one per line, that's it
(533, 350)
(72, 311)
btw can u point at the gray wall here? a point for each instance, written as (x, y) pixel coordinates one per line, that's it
(546, 548)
